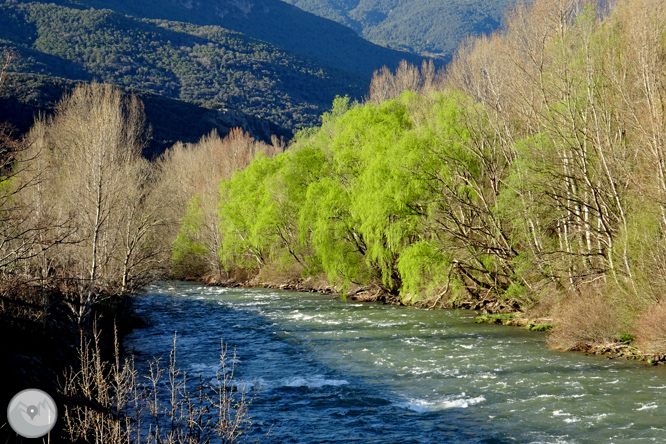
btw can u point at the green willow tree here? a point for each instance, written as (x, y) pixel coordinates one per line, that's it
(377, 193)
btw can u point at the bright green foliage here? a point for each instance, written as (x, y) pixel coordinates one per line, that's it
(259, 210)
(188, 255)
(364, 155)
(358, 217)
(298, 171)
(329, 227)
(498, 318)
(361, 198)
(540, 327)
(626, 337)
(426, 270)
(248, 214)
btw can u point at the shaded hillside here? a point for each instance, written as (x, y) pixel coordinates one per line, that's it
(272, 21)
(434, 27)
(171, 120)
(208, 65)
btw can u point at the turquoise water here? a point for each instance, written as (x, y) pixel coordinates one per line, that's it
(334, 372)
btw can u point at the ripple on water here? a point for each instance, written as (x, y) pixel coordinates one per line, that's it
(312, 382)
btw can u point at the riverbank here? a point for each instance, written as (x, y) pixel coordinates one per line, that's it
(622, 348)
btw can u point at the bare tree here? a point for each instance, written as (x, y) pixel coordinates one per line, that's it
(95, 182)
(386, 85)
(111, 402)
(19, 239)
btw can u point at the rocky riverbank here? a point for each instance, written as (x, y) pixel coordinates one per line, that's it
(622, 348)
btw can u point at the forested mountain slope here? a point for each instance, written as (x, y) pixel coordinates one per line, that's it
(434, 27)
(271, 21)
(205, 65)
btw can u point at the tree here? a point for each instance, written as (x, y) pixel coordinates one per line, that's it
(18, 238)
(386, 85)
(8, 56)
(95, 183)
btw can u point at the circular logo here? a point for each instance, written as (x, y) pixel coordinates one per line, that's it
(32, 413)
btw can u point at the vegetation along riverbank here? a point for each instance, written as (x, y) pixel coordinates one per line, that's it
(528, 177)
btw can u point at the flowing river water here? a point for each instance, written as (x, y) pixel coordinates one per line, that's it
(340, 372)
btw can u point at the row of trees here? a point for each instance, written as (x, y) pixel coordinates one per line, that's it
(85, 221)
(536, 175)
(574, 93)
(397, 195)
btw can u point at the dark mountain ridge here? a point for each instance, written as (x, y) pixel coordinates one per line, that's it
(205, 65)
(224, 76)
(170, 120)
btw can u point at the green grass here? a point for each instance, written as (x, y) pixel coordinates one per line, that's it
(499, 318)
(539, 327)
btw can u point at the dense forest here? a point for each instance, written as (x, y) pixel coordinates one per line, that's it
(430, 27)
(530, 176)
(169, 120)
(271, 21)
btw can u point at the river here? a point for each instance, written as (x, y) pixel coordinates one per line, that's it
(341, 372)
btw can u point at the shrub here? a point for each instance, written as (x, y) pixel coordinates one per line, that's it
(625, 337)
(498, 318)
(111, 402)
(651, 329)
(539, 327)
(585, 321)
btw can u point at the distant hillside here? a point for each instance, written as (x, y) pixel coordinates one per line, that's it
(206, 65)
(171, 120)
(432, 27)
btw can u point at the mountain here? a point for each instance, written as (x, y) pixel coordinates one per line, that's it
(428, 27)
(206, 65)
